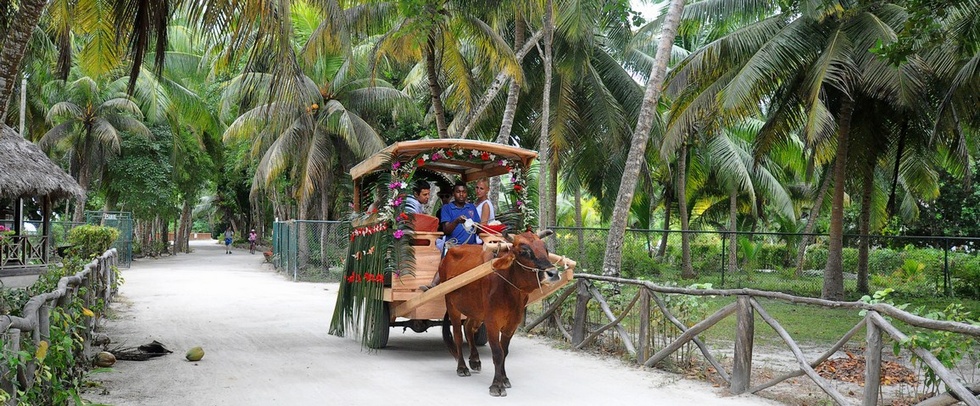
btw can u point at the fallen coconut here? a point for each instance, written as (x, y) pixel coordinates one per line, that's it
(195, 354)
(104, 359)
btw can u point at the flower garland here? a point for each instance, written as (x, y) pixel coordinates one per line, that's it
(402, 173)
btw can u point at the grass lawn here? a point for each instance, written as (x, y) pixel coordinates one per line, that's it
(817, 325)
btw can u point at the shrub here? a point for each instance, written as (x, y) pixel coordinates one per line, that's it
(882, 261)
(89, 241)
(774, 256)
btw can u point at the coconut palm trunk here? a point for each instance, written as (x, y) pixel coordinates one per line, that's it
(662, 249)
(435, 90)
(687, 271)
(833, 273)
(864, 226)
(613, 258)
(579, 223)
(84, 179)
(544, 143)
(15, 45)
(510, 109)
(732, 228)
(811, 222)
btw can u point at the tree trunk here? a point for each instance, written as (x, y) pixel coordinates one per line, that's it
(667, 198)
(553, 196)
(84, 179)
(687, 271)
(544, 142)
(732, 228)
(864, 226)
(164, 235)
(513, 94)
(613, 258)
(473, 116)
(811, 221)
(579, 222)
(833, 273)
(435, 90)
(14, 43)
(898, 166)
(186, 223)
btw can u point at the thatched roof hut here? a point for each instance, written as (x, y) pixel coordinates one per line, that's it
(25, 171)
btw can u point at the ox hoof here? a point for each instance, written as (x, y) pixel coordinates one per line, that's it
(476, 365)
(497, 391)
(506, 382)
(462, 372)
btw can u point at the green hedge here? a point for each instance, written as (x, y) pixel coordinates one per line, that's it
(90, 241)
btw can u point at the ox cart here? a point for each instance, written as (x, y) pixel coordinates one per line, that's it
(393, 254)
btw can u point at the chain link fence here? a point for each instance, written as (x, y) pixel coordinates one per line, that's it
(916, 265)
(950, 266)
(310, 250)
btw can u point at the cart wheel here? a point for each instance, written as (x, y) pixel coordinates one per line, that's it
(380, 329)
(480, 338)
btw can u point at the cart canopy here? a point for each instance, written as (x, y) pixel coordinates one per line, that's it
(466, 169)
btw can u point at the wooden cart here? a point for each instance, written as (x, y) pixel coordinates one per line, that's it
(404, 304)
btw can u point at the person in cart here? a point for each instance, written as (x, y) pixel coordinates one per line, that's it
(453, 221)
(419, 198)
(454, 216)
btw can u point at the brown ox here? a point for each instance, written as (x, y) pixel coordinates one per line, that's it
(496, 300)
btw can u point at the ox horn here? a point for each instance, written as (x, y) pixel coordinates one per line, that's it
(545, 233)
(506, 236)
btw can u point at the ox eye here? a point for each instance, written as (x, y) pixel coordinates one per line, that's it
(526, 251)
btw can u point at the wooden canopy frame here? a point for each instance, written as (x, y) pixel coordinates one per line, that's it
(466, 169)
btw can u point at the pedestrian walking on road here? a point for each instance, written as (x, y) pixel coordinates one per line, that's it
(229, 235)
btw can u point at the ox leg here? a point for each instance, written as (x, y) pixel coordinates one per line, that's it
(505, 348)
(456, 317)
(497, 387)
(472, 325)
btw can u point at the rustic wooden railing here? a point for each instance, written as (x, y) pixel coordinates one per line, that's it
(96, 277)
(21, 251)
(581, 333)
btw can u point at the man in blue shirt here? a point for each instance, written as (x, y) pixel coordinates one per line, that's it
(452, 216)
(455, 214)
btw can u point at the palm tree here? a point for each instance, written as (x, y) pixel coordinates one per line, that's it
(16, 35)
(612, 259)
(451, 40)
(88, 124)
(811, 64)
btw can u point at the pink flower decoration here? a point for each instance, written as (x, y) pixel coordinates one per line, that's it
(396, 165)
(436, 156)
(399, 234)
(394, 185)
(520, 203)
(397, 202)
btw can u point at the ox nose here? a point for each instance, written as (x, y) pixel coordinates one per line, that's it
(551, 275)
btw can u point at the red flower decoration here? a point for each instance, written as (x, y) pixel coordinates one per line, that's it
(419, 162)
(518, 187)
(350, 279)
(449, 153)
(485, 156)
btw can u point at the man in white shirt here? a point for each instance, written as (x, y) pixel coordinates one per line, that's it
(414, 203)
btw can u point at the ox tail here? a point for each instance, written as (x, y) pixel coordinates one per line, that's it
(447, 335)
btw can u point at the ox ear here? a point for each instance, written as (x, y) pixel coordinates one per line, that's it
(503, 262)
(545, 233)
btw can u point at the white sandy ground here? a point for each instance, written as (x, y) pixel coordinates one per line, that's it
(266, 343)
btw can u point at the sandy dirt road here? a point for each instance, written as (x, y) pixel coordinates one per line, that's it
(266, 343)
